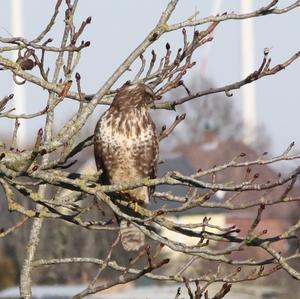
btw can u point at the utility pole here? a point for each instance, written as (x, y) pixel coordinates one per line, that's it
(18, 90)
(248, 66)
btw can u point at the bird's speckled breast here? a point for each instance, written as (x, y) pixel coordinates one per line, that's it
(128, 141)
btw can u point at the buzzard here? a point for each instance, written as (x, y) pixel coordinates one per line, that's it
(126, 150)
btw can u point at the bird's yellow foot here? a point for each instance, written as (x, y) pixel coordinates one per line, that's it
(136, 206)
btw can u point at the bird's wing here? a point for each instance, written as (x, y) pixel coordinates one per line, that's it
(98, 153)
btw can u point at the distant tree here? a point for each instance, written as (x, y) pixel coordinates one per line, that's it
(215, 112)
(41, 188)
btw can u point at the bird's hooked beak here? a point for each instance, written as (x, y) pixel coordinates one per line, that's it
(150, 92)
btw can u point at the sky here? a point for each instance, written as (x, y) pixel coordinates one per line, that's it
(119, 26)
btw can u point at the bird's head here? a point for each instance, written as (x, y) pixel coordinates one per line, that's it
(137, 95)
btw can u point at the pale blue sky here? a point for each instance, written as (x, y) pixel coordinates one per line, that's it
(118, 26)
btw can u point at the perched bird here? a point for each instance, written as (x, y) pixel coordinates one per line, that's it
(126, 150)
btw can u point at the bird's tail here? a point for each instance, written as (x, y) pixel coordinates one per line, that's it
(131, 237)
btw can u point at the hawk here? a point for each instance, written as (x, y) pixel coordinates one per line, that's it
(126, 150)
